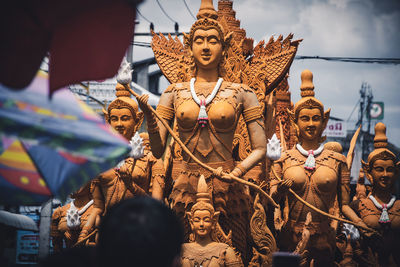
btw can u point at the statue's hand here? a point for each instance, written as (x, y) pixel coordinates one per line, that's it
(284, 185)
(371, 235)
(143, 104)
(125, 171)
(219, 172)
(82, 235)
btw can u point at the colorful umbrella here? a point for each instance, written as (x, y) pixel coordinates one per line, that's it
(51, 146)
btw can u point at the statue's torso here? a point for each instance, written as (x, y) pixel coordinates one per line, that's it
(318, 187)
(370, 214)
(214, 141)
(60, 227)
(387, 245)
(114, 189)
(211, 255)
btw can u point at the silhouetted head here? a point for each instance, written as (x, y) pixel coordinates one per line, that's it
(140, 232)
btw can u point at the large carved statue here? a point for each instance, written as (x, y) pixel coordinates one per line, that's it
(319, 176)
(380, 210)
(208, 99)
(68, 221)
(133, 176)
(204, 250)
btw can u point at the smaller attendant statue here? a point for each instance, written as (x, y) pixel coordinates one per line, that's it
(380, 210)
(204, 251)
(134, 175)
(67, 221)
(318, 175)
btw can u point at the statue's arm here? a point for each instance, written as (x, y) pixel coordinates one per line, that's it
(256, 133)
(98, 209)
(345, 195)
(158, 134)
(158, 179)
(231, 259)
(275, 192)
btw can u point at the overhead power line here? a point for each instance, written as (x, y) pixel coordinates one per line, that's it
(142, 44)
(187, 7)
(151, 23)
(137, 10)
(165, 13)
(393, 61)
(164, 33)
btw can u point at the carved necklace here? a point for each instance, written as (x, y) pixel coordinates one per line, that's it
(203, 117)
(384, 207)
(310, 161)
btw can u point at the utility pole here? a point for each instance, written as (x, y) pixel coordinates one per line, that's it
(44, 229)
(364, 117)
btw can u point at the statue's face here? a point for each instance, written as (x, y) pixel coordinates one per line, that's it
(384, 173)
(202, 222)
(122, 121)
(207, 48)
(310, 123)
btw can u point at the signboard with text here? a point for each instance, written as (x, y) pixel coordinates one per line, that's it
(335, 129)
(27, 244)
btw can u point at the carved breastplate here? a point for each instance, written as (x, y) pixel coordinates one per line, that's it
(324, 178)
(370, 214)
(318, 187)
(208, 256)
(221, 112)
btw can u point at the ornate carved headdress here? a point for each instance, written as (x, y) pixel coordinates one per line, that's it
(380, 144)
(203, 200)
(123, 99)
(307, 93)
(206, 19)
(308, 101)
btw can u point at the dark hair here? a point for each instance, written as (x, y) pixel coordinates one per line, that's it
(139, 232)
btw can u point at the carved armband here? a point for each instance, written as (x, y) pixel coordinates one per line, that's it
(345, 174)
(251, 114)
(165, 112)
(241, 170)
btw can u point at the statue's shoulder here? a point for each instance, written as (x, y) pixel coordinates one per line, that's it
(292, 155)
(366, 206)
(175, 87)
(396, 207)
(334, 155)
(60, 212)
(238, 87)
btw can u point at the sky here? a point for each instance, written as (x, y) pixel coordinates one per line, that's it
(333, 28)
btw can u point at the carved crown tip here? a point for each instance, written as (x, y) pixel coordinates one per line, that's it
(121, 91)
(380, 140)
(207, 10)
(202, 190)
(307, 86)
(202, 185)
